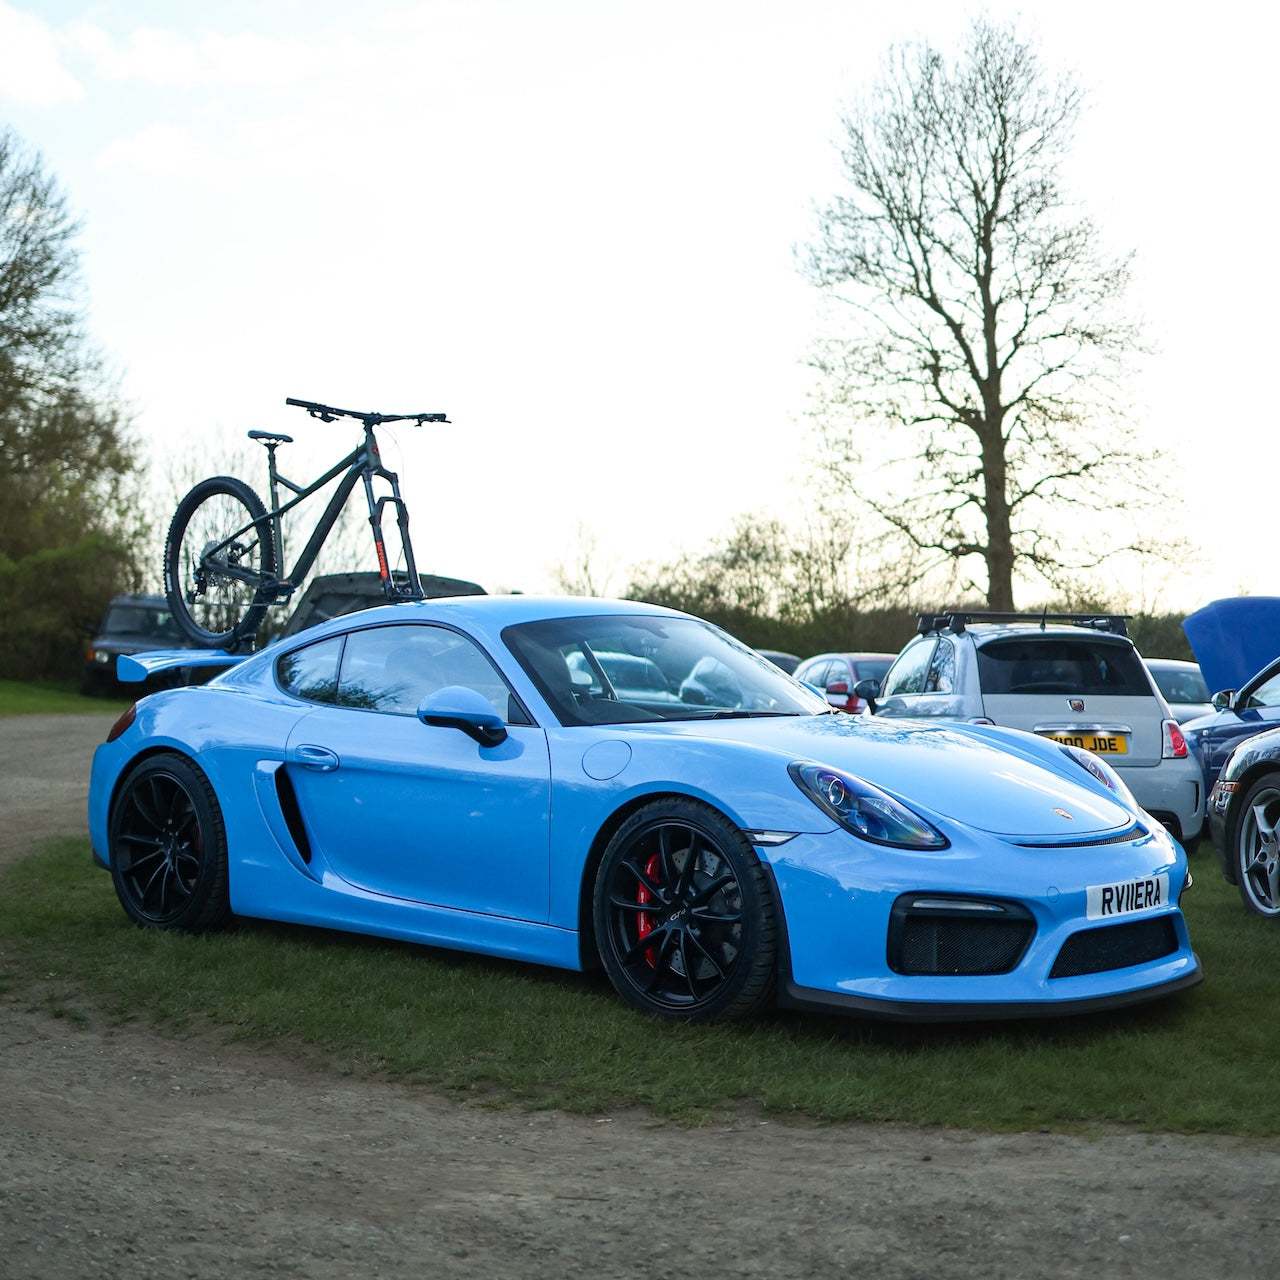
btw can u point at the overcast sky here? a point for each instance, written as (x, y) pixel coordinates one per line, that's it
(570, 224)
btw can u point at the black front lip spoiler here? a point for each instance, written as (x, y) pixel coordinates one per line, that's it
(792, 996)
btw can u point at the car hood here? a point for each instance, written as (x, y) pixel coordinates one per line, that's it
(998, 781)
(1234, 638)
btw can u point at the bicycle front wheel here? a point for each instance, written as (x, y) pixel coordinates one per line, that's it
(219, 562)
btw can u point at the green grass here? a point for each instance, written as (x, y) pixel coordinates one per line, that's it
(51, 697)
(506, 1033)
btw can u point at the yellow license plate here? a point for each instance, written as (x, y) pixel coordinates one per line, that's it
(1101, 744)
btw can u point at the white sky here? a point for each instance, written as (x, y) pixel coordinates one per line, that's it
(569, 224)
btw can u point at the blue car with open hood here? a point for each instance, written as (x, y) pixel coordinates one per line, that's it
(473, 773)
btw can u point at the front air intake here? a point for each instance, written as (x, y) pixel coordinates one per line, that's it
(1115, 946)
(944, 936)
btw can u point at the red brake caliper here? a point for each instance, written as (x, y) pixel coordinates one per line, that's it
(644, 923)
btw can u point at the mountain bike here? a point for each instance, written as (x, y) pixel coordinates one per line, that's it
(224, 546)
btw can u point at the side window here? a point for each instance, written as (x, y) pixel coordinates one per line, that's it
(311, 672)
(391, 669)
(816, 674)
(1267, 694)
(942, 670)
(840, 671)
(910, 673)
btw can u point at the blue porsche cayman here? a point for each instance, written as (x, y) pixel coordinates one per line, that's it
(588, 783)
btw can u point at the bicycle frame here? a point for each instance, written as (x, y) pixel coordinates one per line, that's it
(362, 463)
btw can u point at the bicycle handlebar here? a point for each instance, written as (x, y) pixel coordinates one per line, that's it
(326, 413)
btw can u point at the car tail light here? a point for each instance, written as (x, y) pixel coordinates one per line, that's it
(1175, 742)
(123, 723)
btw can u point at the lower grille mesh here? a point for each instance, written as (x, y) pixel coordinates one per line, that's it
(1115, 946)
(934, 942)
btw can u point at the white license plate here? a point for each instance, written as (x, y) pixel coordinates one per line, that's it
(1108, 901)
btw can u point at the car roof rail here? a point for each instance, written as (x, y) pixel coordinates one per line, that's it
(955, 620)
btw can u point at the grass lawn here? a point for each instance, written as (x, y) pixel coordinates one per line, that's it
(50, 697)
(507, 1033)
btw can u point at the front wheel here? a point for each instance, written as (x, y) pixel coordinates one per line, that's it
(684, 915)
(1257, 856)
(219, 559)
(168, 847)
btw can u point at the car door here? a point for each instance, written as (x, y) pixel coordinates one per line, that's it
(420, 812)
(1255, 707)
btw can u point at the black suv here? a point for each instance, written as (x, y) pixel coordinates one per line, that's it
(132, 624)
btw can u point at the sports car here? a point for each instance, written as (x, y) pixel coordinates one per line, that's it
(466, 773)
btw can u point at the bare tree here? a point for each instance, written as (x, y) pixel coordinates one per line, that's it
(583, 573)
(972, 398)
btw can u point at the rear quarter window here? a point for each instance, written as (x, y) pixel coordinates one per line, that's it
(1085, 666)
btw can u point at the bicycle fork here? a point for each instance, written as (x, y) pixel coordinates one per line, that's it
(412, 589)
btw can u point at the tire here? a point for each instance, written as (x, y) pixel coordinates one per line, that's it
(1257, 857)
(217, 611)
(684, 915)
(168, 847)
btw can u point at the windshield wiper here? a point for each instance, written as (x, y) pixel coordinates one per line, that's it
(746, 715)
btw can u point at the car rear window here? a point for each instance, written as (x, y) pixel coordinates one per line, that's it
(1085, 666)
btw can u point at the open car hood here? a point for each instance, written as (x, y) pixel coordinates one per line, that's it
(1234, 638)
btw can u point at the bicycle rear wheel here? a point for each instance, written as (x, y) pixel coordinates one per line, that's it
(219, 562)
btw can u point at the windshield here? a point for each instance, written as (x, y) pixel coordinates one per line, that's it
(1181, 684)
(140, 620)
(618, 670)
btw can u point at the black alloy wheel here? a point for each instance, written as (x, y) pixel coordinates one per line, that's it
(168, 847)
(684, 915)
(1257, 852)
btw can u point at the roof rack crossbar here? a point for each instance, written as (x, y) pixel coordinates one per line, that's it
(955, 620)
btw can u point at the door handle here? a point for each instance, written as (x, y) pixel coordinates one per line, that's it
(321, 759)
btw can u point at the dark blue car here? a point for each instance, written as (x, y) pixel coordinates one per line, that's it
(1236, 642)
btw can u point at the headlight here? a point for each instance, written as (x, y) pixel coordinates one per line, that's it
(1101, 770)
(863, 809)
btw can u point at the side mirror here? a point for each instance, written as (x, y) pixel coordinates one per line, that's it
(1223, 698)
(839, 688)
(456, 707)
(868, 690)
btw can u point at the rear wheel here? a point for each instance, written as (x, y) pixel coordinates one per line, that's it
(684, 915)
(168, 847)
(219, 558)
(1257, 853)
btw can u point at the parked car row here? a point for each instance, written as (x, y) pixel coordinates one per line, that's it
(1074, 678)
(1077, 679)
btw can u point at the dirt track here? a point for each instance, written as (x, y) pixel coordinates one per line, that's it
(127, 1154)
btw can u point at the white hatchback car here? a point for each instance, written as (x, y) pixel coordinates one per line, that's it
(1073, 677)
